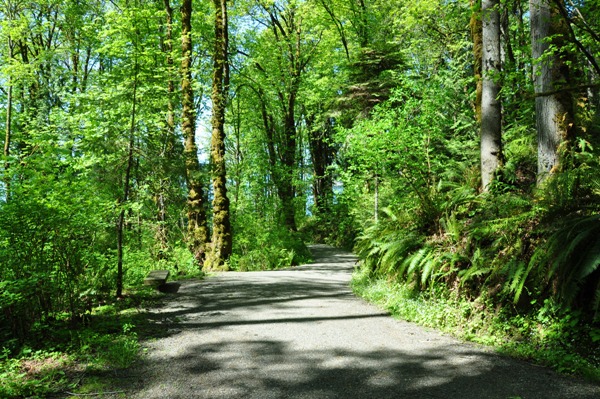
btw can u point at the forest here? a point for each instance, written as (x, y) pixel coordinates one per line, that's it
(453, 145)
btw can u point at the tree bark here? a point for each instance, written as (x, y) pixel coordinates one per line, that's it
(553, 102)
(198, 235)
(8, 132)
(476, 35)
(288, 159)
(168, 142)
(322, 154)
(221, 245)
(121, 220)
(491, 111)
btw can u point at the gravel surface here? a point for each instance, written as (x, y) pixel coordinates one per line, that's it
(300, 333)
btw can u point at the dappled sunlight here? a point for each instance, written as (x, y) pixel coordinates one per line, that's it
(300, 333)
(263, 368)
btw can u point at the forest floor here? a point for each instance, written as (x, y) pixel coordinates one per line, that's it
(301, 333)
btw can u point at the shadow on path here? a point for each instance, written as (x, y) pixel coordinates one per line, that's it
(300, 333)
(272, 370)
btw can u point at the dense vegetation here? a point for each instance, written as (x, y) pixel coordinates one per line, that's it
(454, 144)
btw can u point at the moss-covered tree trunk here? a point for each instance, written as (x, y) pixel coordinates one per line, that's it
(126, 186)
(198, 235)
(168, 140)
(551, 71)
(287, 191)
(476, 35)
(8, 132)
(491, 110)
(221, 240)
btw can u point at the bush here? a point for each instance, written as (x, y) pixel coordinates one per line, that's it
(261, 245)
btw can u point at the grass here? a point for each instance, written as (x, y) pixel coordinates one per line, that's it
(79, 358)
(546, 336)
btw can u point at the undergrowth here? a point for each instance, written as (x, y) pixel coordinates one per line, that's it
(517, 267)
(63, 354)
(262, 245)
(546, 334)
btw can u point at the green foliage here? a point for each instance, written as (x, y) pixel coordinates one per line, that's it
(573, 256)
(103, 350)
(52, 360)
(548, 335)
(266, 246)
(336, 227)
(35, 375)
(388, 92)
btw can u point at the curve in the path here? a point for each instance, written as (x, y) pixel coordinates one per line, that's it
(300, 333)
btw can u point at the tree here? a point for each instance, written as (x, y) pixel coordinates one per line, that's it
(126, 181)
(322, 153)
(9, 105)
(281, 68)
(551, 71)
(221, 245)
(198, 234)
(491, 110)
(476, 36)
(168, 139)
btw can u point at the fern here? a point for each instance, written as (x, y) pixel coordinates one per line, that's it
(428, 266)
(519, 272)
(478, 268)
(384, 245)
(395, 251)
(576, 252)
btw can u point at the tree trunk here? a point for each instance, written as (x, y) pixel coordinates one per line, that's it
(221, 239)
(168, 146)
(553, 102)
(8, 134)
(283, 148)
(491, 111)
(121, 220)
(198, 235)
(287, 191)
(476, 34)
(322, 154)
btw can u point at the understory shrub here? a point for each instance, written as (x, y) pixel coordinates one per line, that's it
(548, 334)
(261, 245)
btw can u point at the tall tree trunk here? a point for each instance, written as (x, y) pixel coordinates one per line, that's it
(287, 31)
(198, 235)
(221, 245)
(553, 102)
(121, 220)
(8, 132)
(491, 111)
(476, 35)
(168, 145)
(322, 154)
(287, 191)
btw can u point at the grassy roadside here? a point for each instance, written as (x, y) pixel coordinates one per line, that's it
(548, 336)
(78, 357)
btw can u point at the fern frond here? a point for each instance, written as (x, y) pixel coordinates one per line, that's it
(580, 258)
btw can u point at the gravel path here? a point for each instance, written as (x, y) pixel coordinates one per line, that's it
(300, 333)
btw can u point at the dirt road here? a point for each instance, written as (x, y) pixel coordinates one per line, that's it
(300, 333)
